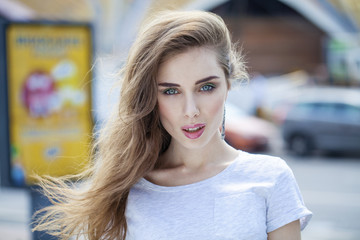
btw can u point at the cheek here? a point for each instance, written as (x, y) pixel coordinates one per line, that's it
(215, 105)
(218, 106)
(217, 110)
(166, 110)
(162, 111)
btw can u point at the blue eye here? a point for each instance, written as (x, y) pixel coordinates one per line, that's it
(207, 87)
(171, 91)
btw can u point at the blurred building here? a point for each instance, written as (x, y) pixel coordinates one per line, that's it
(277, 36)
(276, 39)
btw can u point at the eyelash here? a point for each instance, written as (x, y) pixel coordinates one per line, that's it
(174, 91)
(208, 85)
(167, 91)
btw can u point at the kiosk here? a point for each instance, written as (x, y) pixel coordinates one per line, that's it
(45, 89)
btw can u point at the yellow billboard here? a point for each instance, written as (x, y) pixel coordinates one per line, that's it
(49, 99)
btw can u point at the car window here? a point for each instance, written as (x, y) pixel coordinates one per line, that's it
(336, 112)
(347, 112)
(323, 111)
(330, 112)
(314, 111)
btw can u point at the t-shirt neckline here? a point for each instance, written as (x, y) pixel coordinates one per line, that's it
(149, 185)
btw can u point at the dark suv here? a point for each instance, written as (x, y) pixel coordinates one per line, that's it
(332, 126)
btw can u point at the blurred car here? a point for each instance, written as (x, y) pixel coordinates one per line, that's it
(246, 132)
(326, 122)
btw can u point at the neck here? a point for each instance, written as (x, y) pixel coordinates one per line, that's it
(214, 152)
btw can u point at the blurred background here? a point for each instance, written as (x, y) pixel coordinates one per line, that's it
(58, 65)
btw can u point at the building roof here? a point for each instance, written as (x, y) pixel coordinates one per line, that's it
(332, 16)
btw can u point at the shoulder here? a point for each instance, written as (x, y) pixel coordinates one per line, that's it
(261, 162)
(261, 166)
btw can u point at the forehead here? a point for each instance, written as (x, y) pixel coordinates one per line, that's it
(191, 65)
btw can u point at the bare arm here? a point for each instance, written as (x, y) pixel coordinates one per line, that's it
(290, 231)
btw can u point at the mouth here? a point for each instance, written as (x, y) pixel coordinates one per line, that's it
(193, 131)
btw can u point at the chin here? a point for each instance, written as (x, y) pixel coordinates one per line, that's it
(199, 143)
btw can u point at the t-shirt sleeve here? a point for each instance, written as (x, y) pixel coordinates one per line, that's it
(285, 203)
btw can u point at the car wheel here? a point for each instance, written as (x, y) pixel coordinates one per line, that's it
(300, 145)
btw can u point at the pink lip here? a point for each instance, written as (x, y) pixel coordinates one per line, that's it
(195, 134)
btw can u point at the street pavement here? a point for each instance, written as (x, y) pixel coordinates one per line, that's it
(330, 186)
(14, 214)
(331, 189)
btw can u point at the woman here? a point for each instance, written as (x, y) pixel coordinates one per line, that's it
(164, 170)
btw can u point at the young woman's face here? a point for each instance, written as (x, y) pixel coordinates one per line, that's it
(192, 90)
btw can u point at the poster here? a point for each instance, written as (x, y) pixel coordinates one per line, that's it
(49, 97)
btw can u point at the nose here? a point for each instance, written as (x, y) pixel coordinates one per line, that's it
(191, 109)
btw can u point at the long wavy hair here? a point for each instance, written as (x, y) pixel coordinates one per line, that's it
(130, 143)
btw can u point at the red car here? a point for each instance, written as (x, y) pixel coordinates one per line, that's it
(246, 132)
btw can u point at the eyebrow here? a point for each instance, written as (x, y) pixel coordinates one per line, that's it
(166, 84)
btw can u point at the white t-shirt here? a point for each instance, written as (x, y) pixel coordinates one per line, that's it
(254, 195)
